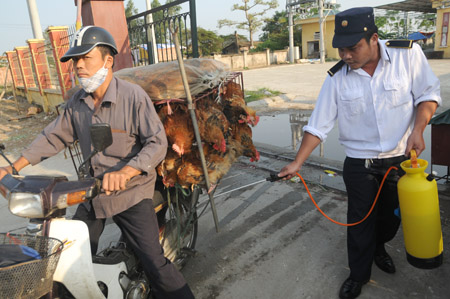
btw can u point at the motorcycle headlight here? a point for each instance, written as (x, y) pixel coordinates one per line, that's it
(27, 205)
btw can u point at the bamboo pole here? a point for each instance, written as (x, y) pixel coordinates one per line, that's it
(194, 123)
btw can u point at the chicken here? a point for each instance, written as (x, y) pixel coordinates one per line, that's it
(217, 163)
(233, 92)
(178, 127)
(235, 114)
(213, 126)
(190, 171)
(234, 102)
(242, 133)
(167, 169)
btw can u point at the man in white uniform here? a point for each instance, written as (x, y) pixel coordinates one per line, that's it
(382, 95)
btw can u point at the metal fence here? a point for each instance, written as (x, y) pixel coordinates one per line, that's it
(150, 33)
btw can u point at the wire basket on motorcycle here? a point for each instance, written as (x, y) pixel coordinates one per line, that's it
(27, 264)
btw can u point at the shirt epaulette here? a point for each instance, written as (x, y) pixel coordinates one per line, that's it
(336, 68)
(400, 43)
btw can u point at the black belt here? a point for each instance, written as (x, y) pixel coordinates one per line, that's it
(380, 163)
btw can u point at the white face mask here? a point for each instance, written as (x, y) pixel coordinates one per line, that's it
(92, 83)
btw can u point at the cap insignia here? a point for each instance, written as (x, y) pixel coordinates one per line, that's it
(344, 23)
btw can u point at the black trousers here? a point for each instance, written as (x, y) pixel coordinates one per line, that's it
(139, 226)
(362, 179)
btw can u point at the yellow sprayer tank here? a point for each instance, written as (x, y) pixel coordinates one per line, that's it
(421, 221)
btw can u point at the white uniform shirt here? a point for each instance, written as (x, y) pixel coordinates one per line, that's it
(375, 114)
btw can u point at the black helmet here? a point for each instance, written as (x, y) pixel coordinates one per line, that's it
(86, 39)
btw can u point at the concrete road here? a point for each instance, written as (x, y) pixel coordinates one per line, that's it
(273, 243)
(302, 82)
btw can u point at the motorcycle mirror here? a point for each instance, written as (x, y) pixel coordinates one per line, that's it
(101, 136)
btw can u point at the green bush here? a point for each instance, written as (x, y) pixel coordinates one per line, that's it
(255, 95)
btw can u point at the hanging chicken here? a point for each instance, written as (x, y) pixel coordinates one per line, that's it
(213, 126)
(178, 126)
(235, 106)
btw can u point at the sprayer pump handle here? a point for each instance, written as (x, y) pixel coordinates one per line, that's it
(413, 159)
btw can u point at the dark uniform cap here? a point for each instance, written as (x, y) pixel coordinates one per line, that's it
(86, 39)
(351, 25)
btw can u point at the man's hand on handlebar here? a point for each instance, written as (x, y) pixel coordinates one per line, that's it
(4, 171)
(117, 180)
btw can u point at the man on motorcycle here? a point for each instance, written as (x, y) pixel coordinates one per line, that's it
(127, 167)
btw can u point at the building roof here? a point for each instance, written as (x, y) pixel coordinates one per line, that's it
(410, 5)
(314, 19)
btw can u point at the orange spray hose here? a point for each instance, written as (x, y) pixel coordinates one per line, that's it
(348, 224)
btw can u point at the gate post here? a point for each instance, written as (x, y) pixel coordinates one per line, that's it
(194, 36)
(110, 14)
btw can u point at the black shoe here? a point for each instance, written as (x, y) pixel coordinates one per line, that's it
(351, 289)
(384, 262)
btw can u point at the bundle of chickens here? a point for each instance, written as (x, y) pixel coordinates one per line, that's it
(224, 123)
(223, 118)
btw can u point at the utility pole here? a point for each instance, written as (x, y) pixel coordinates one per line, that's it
(34, 18)
(321, 38)
(151, 35)
(291, 30)
(290, 4)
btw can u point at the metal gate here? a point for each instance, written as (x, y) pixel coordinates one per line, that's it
(150, 38)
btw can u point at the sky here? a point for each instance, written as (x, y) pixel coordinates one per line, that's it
(15, 24)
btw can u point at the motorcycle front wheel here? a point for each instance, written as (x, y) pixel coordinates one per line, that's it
(177, 222)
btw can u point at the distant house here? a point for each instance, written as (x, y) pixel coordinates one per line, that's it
(311, 36)
(442, 27)
(236, 46)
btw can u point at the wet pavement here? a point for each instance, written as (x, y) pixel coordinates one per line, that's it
(273, 243)
(285, 130)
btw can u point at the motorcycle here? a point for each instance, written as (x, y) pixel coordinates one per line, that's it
(115, 272)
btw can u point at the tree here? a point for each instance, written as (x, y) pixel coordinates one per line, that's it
(161, 23)
(172, 11)
(131, 10)
(135, 26)
(208, 42)
(253, 20)
(390, 24)
(393, 24)
(275, 34)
